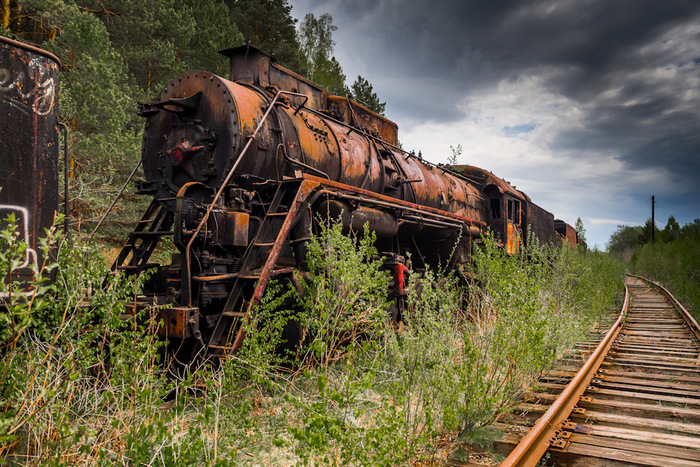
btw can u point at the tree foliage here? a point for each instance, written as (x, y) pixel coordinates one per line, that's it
(269, 26)
(317, 45)
(363, 92)
(580, 230)
(627, 239)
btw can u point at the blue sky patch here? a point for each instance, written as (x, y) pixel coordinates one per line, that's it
(517, 130)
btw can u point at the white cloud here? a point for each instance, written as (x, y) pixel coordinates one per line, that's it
(584, 182)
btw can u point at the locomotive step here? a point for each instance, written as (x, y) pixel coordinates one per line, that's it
(264, 244)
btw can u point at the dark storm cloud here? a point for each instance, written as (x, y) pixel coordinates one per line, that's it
(592, 46)
(630, 68)
(492, 39)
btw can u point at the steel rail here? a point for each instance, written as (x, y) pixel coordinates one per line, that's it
(533, 446)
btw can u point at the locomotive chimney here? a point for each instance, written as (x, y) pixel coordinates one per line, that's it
(249, 65)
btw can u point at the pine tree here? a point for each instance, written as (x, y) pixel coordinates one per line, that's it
(269, 26)
(362, 91)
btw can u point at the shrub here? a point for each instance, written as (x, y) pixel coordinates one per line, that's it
(344, 298)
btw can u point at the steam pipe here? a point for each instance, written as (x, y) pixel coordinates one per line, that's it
(66, 207)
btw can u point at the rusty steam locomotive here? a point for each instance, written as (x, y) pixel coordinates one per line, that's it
(240, 169)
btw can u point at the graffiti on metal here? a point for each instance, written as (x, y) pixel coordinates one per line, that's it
(23, 215)
(26, 84)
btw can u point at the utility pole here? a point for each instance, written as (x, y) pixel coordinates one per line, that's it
(653, 226)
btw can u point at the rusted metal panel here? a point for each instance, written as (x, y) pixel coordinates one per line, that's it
(176, 322)
(566, 233)
(354, 114)
(237, 228)
(540, 223)
(29, 135)
(512, 239)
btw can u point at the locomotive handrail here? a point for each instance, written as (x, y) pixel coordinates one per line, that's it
(300, 163)
(111, 206)
(533, 446)
(225, 183)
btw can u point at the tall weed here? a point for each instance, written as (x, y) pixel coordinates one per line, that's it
(79, 383)
(675, 264)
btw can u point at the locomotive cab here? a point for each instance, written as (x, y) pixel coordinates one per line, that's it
(505, 217)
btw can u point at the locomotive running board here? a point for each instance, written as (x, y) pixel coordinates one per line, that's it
(379, 199)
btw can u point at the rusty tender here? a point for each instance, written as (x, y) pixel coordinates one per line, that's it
(29, 148)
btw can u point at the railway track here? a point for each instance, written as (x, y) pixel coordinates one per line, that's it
(635, 401)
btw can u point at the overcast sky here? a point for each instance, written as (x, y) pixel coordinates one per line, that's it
(588, 106)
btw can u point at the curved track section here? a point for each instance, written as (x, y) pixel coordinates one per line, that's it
(642, 406)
